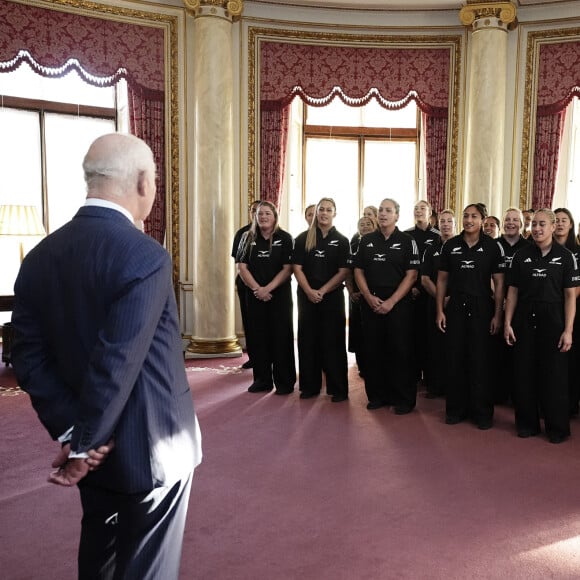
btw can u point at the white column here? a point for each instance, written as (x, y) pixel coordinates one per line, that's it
(213, 197)
(486, 102)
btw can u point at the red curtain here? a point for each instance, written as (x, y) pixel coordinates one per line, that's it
(147, 121)
(547, 152)
(102, 51)
(318, 74)
(435, 131)
(558, 84)
(274, 139)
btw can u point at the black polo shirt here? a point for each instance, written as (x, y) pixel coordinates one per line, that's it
(510, 250)
(386, 261)
(264, 262)
(431, 260)
(237, 238)
(543, 278)
(322, 262)
(470, 269)
(424, 238)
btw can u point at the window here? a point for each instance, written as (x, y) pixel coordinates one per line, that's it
(356, 155)
(47, 127)
(567, 192)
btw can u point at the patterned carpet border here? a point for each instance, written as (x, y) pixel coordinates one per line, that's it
(10, 391)
(220, 370)
(13, 391)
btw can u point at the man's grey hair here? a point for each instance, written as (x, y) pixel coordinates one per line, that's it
(119, 163)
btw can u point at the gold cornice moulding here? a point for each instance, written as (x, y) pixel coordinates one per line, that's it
(233, 7)
(505, 11)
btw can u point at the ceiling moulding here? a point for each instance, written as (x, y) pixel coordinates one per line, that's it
(372, 5)
(397, 5)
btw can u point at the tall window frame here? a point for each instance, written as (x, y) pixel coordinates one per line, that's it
(55, 102)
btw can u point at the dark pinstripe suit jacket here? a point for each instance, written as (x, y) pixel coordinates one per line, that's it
(98, 347)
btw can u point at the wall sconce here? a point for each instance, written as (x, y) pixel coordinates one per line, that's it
(20, 220)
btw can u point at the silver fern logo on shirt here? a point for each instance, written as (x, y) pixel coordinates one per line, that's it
(333, 243)
(456, 251)
(396, 246)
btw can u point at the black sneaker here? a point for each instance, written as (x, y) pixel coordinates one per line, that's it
(258, 387)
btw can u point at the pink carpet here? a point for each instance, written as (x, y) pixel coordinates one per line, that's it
(312, 490)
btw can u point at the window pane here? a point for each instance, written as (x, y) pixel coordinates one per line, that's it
(332, 171)
(376, 116)
(389, 171)
(24, 82)
(67, 140)
(337, 114)
(20, 158)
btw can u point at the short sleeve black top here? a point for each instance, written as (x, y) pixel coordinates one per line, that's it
(431, 260)
(263, 261)
(470, 269)
(424, 238)
(542, 278)
(386, 261)
(510, 250)
(237, 238)
(322, 262)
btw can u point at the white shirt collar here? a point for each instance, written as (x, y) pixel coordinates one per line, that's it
(95, 201)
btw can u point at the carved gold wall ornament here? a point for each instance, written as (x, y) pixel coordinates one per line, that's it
(504, 11)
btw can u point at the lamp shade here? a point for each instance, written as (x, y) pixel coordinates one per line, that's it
(20, 220)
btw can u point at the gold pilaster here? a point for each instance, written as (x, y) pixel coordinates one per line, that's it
(486, 100)
(199, 348)
(212, 103)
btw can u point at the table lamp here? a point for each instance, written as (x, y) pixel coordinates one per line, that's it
(20, 220)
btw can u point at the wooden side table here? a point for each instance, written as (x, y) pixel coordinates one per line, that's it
(6, 305)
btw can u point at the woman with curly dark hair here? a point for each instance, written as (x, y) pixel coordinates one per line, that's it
(470, 263)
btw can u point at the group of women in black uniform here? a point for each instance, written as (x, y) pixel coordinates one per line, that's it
(476, 303)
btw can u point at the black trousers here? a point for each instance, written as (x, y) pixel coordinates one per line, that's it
(355, 333)
(435, 373)
(272, 338)
(132, 537)
(322, 343)
(242, 291)
(388, 347)
(574, 365)
(421, 354)
(469, 388)
(542, 370)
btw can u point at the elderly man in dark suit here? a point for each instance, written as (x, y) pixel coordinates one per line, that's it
(99, 351)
